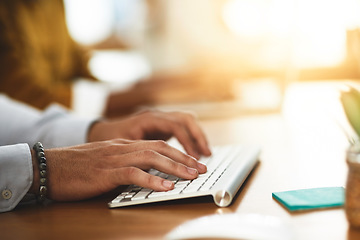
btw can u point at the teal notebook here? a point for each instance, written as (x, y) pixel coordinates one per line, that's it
(313, 198)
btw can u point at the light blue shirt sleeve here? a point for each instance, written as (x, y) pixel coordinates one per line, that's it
(55, 127)
(16, 175)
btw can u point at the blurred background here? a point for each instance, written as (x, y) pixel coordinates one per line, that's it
(248, 50)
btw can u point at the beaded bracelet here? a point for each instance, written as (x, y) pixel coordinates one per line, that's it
(40, 156)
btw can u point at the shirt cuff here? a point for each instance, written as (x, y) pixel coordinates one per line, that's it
(16, 175)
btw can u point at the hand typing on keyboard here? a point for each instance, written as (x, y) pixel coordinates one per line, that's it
(84, 171)
(156, 125)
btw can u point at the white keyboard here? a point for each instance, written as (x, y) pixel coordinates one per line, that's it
(227, 169)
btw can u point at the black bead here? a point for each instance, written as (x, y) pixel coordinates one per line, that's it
(42, 160)
(43, 173)
(38, 146)
(42, 190)
(40, 155)
(42, 166)
(42, 181)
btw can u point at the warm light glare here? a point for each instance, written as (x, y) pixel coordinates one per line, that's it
(265, 34)
(319, 33)
(315, 30)
(245, 18)
(89, 21)
(124, 67)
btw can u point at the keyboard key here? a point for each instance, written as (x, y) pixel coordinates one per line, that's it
(191, 188)
(163, 175)
(176, 190)
(158, 194)
(173, 178)
(195, 184)
(142, 194)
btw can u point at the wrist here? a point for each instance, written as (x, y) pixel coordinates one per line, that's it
(36, 176)
(92, 132)
(97, 131)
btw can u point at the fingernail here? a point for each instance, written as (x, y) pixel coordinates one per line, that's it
(209, 152)
(168, 184)
(192, 171)
(202, 167)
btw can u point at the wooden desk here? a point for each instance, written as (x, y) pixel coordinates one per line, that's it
(302, 148)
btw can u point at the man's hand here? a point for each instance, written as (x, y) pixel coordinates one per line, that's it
(88, 170)
(155, 125)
